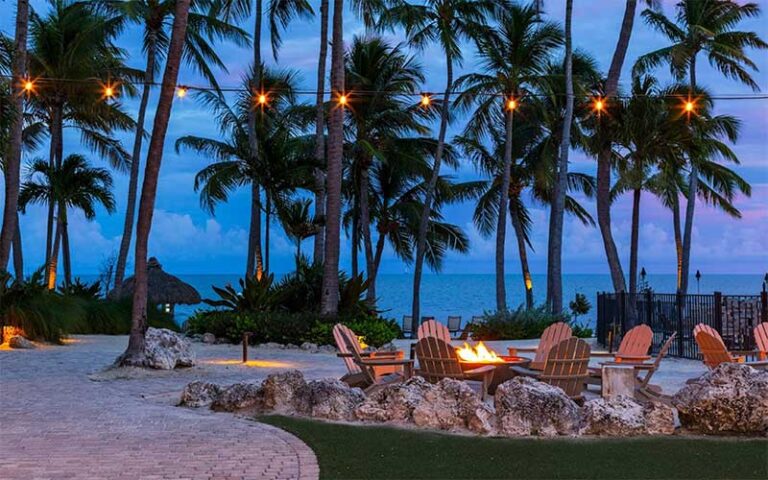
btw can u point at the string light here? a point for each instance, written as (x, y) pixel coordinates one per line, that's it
(599, 105)
(181, 91)
(689, 106)
(342, 100)
(29, 86)
(425, 100)
(511, 104)
(262, 99)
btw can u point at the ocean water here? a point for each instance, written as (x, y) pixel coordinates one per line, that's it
(468, 295)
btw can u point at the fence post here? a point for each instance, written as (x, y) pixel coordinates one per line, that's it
(682, 332)
(649, 307)
(764, 305)
(621, 299)
(719, 312)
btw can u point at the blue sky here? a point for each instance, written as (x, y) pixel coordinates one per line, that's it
(188, 240)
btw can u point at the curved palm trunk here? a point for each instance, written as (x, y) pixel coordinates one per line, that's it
(355, 240)
(267, 221)
(254, 255)
(18, 255)
(604, 158)
(329, 303)
(57, 148)
(555, 253)
(133, 182)
(501, 224)
(634, 241)
(66, 252)
(134, 354)
(678, 242)
(421, 242)
(319, 173)
(522, 252)
(365, 223)
(690, 207)
(254, 258)
(53, 264)
(12, 168)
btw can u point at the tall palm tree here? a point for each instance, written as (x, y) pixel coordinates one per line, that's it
(12, 164)
(298, 222)
(382, 112)
(446, 23)
(604, 156)
(72, 185)
(318, 249)
(134, 353)
(155, 17)
(514, 59)
(557, 212)
(703, 26)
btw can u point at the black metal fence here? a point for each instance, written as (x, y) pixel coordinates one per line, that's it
(734, 316)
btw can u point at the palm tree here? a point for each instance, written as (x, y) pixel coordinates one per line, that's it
(12, 161)
(604, 156)
(447, 23)
(319, 244)
(72, 185)
(134, 353)
(61, 99)
(385, 76)
(298, 223)
(703, 26)
(155, 17)
(514, 59)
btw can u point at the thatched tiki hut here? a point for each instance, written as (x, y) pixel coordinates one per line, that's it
(164, 288)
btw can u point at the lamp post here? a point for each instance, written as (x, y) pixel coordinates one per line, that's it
(642, 275)
(698, 280)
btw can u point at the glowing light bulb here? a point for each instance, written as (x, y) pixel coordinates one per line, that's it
(599, 105)
(689, 106)
(425, 100)
(512, 104)
(181, 92)
(28, 85)
(262, 99)
(109, 92)
(342, 100)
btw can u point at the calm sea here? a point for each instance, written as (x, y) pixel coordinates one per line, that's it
(469, 295)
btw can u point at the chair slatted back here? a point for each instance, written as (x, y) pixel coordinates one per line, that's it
(657, 362)
(712, 349)
(454, 323)
(703, 327)
(343, 336)
(433, 328)
(552, 335)
(437, 359)
(761, 340)
(637, 341)
(567, 366)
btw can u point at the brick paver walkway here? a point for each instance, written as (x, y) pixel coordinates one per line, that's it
(55, 423)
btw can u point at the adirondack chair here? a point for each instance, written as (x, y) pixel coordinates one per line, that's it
(348, 346)
(407, 326)
(634, 346)
(454, 324)
(433, 328)
(714, 351)
(368, 370)
(552, 335)
(644, 371)
(438, 360)
(567, 366)
(761, 340)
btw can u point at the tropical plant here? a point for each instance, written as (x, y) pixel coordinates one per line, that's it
(155, 17)
(446, 23)
(254, 295)
(706, 26)
(73, 184)
(516, 324)
(579, 306)
(514, 60)
(298, 222)
(134, 353)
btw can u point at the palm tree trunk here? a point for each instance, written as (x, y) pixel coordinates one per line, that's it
(57, 145)
(426, 212)
(690, 207)
(66, 252)
(378, 254)
(267, 221)
(522, 251)
(134, 354)
(365, 223)
(604, 158)
(133, 181)
(53, 264)
(254, 258)
(501, 224)
(254, 255)
(678, 241)
(355, 240)
(555, 253)
(18, 254)
(634, 242)
(319, 173)
(55, 134)
(12, 167)
(329, 303)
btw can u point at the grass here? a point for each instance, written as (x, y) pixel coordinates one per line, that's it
(346, 451)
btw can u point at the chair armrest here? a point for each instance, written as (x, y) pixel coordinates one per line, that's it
(385, 362)
(602, 354)
(349, 355)
(526, 372)
(761, 364)
(637, 366)
(513, 350)
(631, 358)
(388, 354)
(480, 370)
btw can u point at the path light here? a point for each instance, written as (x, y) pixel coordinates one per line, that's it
(181, 91)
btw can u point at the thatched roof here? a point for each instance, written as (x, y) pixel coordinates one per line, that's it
(163, 287)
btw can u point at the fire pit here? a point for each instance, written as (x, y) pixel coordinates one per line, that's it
(481, 356)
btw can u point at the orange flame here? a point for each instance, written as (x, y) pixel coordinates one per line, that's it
(479, 354)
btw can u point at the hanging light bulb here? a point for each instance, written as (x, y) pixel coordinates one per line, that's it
(342, 100)
(262, 99)
(511, 104)
(689, 106)
(28, 85)
(425, 100)
(599, 105)
(181, 91)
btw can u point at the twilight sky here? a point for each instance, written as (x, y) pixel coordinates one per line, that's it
(188, 240)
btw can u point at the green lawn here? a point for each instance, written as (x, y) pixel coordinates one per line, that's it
(345, 451)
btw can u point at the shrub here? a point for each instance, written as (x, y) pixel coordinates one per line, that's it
(515, 324)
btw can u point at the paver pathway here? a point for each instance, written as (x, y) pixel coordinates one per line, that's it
(55, 423)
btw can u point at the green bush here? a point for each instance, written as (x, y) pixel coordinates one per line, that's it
(521, 324)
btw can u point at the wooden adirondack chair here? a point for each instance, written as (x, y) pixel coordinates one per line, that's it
(567, 366)
(644, 371)
(761, 340)
(454, 324)
(714, 351)
(438, 360)
(552, 335)
(634, 346)
(349, 349)
(433, 328)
